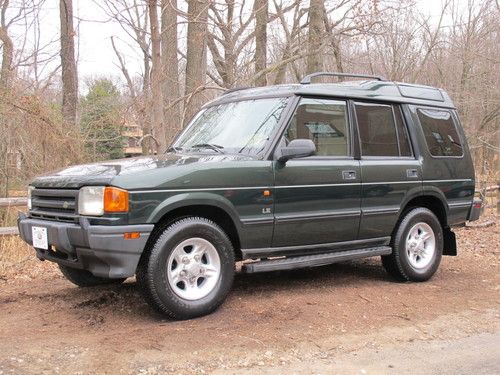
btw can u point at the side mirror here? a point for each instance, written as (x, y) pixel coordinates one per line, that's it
(298, 148)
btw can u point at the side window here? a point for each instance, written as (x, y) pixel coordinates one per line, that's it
(377, 130)
(324, 122)
(440, 132)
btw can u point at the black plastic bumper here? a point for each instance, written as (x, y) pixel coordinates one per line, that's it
(476, 210)
(100, 249)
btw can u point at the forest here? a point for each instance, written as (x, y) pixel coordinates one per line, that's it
(191, 51)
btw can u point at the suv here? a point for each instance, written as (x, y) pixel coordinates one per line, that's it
(281, 177)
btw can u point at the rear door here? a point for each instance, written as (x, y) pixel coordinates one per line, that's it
(391, 173)
(317, 198)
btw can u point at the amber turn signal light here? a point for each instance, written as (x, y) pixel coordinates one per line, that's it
(131, 235)
(115, 200)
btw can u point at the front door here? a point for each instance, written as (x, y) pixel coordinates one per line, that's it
(317, 198)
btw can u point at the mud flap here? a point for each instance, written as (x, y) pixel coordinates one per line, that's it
(450, 242)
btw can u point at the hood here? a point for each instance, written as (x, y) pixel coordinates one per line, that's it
(103, 173)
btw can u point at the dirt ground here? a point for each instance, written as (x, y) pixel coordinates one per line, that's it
(347, 318)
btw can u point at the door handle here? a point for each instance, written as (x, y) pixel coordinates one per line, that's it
(411, 173)
(349, 175)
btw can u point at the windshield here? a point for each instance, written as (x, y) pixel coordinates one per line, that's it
(237, 127)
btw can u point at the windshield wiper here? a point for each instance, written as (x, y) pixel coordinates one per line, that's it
(211, 146)
(174, 149)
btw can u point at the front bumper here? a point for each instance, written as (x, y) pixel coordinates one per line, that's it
(100, 249)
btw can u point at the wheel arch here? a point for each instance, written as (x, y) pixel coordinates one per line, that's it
(437, 205)
(213, 208)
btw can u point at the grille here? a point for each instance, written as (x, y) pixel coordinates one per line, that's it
(54, 204)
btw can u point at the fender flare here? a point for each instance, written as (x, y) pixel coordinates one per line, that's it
(431, 191)
(187, 199)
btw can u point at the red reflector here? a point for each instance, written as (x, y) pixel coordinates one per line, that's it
(477, 205)
(131, 235)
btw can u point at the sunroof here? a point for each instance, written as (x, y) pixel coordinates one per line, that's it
(420, 92)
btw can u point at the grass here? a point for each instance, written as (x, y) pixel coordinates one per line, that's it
(13, 253)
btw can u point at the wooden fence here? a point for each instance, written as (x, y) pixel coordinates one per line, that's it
(490, 196)
(11, 202)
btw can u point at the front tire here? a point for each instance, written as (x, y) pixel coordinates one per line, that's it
(84, 278)
(189, 269)
(417, 247)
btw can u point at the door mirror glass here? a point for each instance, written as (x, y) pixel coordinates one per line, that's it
(298, 148)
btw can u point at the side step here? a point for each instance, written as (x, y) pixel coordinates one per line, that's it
(291, 263)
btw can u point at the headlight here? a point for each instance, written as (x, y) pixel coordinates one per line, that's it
(95, 200)
(91, 200)
(30, 190)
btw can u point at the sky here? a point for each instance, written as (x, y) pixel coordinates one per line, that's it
(94, 30)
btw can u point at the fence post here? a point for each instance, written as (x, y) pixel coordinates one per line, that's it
(498, 199)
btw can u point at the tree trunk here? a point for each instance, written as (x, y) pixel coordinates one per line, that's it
(7, 57)
(156, 80)
(172, 110)
(7, 49)
(196, 56)
(68, 63)
(261, 9)
(314, 57)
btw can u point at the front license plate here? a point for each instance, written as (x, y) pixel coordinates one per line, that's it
(40, 240)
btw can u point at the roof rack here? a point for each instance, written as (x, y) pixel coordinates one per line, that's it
(307, 79)
(235, 89)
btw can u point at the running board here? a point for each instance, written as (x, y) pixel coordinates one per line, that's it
(291, 263)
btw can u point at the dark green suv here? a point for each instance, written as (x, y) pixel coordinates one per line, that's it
(280, 177)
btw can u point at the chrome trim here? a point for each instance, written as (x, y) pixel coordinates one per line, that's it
(379, 211)
(392, 182)
(317, 185)
(201, 189)
(451, 180)
(460, 204)
(292, 186)
(317, 216)
(258, 221)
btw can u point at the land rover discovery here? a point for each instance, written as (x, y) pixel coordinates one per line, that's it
(278, 177)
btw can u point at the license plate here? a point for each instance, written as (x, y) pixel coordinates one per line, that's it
(40, 239)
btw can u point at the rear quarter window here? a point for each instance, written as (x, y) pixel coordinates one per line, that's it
(440, 132)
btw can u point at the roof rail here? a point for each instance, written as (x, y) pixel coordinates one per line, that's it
(235, 89)
(307, 79)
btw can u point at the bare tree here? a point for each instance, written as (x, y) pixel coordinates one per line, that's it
(7, 46)
(229, 39)
(170, 64)
(68, 62)
(261, 9)
(133, 17)
(196, 56)
(316, 30)
(156, 79)
(293, 43)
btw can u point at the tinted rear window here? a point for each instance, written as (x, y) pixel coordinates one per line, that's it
(440, 132)
(377, 130)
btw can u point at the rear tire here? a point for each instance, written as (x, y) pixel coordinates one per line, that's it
(189, 269)
(417, 247)
(84, 278)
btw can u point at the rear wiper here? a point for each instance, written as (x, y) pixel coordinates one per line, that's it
(211, 146)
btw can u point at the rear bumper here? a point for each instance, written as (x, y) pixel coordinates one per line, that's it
(100, 249)
(476, 210)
